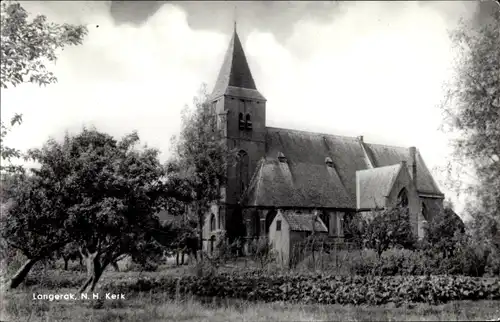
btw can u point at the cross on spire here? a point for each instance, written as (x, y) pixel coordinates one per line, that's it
(235, 16)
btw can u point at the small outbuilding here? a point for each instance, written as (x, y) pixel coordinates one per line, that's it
(291, 227)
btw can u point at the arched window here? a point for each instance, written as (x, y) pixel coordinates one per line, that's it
(241, 121)
(256, 225)
(403, 198)
(424, 211)
(242, 170)
(212, 222)
(248, 122)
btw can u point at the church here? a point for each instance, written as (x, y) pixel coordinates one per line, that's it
(296, 172)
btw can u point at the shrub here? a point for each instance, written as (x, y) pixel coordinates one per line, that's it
(262, 252)
(469, 260)
(389, 228)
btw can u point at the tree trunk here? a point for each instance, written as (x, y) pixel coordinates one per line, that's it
(21, 274)
(97, 276)
(66, 260)
(94, 272)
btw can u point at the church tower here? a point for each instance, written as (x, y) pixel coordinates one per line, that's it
(241, 110)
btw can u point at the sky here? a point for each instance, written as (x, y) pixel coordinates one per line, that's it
(350, 68)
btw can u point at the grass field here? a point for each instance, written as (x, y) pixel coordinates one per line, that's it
(19, 305)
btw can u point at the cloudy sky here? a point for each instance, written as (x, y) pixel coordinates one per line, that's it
(355, 68)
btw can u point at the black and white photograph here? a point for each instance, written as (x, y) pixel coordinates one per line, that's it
(250, 161)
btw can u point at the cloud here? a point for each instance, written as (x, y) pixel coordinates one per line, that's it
(121, 79)
(372, 69)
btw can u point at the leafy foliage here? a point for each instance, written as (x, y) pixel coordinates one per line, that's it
(69, 252)
(198, 169)
(389, 228)
(355, 228)
(472, 108)
(8, 153)
(320, 288)
(444, 233)
(27, 45)
(468, 260)
(34, 221)
(262, 252)
(92, 190)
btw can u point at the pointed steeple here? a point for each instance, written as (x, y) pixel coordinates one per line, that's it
(235, 74)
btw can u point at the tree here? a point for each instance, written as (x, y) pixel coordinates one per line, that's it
(184, 238)
(97, 192)
(115, 191)
(201, 158)
(389, 228)
(472, 108)
(27, 45)
(33, 222)
(70, 251)
(355, 228)
(444, 232)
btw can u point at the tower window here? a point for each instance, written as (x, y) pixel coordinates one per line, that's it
(242, 122)
(278, 225)
(248, 122)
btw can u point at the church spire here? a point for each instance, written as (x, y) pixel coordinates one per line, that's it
(235, 72)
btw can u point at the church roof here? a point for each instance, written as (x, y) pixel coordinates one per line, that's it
(384, 155)
(235, 77)
(305, 180)
(374, 185)
(303, 222)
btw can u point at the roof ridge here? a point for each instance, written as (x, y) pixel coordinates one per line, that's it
(309, 132)
(334, 135)
(380, 168)
(389, 146)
